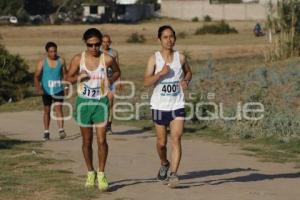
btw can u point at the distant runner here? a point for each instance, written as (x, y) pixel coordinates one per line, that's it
(105, 47)
(48, 76)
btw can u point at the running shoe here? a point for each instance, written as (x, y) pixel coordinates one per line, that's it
(62, 134)
(102, 181)
(163, 172)
(46, 136)
(90, 180)
(173, 180)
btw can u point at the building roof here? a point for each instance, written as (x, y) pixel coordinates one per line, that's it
(126, 1)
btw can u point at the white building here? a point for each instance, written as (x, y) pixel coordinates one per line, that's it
(188, 9)
(94, 10)
(127, 11)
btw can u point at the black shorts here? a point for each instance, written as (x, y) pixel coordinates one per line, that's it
(162, 117)
(48, 99)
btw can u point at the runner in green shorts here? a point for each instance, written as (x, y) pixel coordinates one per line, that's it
(88, 69)
(91, 111)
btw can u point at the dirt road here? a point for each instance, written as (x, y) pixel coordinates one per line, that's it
(208, 170)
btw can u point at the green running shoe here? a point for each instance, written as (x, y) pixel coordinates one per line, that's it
(90, 180)
(102, 181)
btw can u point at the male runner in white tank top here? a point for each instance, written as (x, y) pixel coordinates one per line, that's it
(92, 104)
(168, 71)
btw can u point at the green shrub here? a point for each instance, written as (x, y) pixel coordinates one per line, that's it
(207, 18)
(14, 77)
(136, 38)
(225, 1)
(195, 19)
(181, 34)
(218, 28)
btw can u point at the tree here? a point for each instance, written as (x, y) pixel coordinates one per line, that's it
(71, 8)
(39, 7)
(10, 7)
(14, 76)
(283, 23)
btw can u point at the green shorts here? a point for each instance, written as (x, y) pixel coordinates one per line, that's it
(91, 111)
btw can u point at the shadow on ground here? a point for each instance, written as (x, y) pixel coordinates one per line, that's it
(133, 132)
(6, 143)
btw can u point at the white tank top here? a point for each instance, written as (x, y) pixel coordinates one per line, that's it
(97, 86)
(168, 94)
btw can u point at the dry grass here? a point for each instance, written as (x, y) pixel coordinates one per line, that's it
(29, 41)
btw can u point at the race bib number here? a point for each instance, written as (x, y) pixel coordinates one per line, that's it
(89, 92)
(170, 89)
(54, 83)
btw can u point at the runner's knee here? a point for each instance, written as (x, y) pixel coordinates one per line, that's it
(58, 108)
(86, 143)
(176, 139)
(101, 142)
(161, 143)
(47, 109)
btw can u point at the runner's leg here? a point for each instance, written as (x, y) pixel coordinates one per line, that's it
(102, 146)
(46, 117)
(87, 142)
(161, 143)
(59, 114)
(176, 127)
(111, 104)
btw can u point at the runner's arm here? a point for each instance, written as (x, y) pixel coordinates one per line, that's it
(149, 77)
(64, 79)
(72, 74)
(116, 71)
(64, 69)
(119, 85)
(186, 69)
(117, 57)
(37, 76)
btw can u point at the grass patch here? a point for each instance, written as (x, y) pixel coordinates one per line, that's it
(182, 35)
(273, 149)
(31, 176)
(136, 38)
(31, 103)
(218, 28)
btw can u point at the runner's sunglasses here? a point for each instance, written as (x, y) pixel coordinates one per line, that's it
(92, 45)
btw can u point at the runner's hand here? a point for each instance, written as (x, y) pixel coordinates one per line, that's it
(83, 76)
(165, 70)
(184, 84)
(39, 91)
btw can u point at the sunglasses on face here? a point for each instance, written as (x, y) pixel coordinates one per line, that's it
(92, 45)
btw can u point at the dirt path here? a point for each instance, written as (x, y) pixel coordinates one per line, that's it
(208, 170)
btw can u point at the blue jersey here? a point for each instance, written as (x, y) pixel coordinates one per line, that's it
(109, 69)
(110, 51)
(52, 77)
